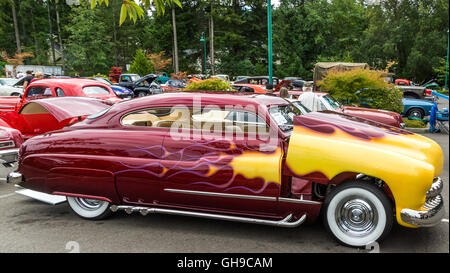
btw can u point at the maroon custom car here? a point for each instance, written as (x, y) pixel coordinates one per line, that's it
(248, 158)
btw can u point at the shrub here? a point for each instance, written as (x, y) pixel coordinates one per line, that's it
(213, 84)
(141, 65)
(414, 124)
(374, 90)
(389, 98)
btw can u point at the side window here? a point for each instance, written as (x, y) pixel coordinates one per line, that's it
(60, 92)
(95, 90)
(209, 120)
(36, 91)
(160, 117)
(125, 79)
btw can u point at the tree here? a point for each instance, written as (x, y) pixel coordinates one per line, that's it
(88, 45)
(141, 65)
(16, 60)
(158, 61)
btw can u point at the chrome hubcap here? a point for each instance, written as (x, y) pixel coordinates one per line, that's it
(89, 204)
(356, 216)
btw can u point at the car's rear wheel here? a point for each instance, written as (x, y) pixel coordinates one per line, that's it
(91, 209)
(358, 213)
(416, 112)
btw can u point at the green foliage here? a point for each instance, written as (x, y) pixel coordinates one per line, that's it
(414, 123)
(141, 65)
(373, 90)
(212, 84)
(388, 98)
(343, 85)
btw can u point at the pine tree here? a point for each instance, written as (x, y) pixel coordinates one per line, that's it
(141, 65)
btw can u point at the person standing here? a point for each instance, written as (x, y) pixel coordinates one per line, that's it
(27, 79)
(37, 76)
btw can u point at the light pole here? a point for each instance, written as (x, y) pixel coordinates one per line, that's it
(446, 65)
(269, 38)
(202, 39)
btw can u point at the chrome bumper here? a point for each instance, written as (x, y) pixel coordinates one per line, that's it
(433, 208)
(8, 156)
(14, 178)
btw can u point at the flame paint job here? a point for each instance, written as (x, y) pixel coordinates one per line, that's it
(332, 144)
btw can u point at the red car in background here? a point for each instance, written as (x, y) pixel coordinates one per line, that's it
(66, 87)
(41, 116)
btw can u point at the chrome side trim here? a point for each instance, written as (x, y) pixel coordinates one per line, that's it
(145, 210)
(299, 201)
(227, 195)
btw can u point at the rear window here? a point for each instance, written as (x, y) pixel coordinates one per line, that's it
(95, 90)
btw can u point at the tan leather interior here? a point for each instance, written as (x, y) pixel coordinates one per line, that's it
(33, 108)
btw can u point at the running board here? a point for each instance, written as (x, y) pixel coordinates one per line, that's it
(145, 210)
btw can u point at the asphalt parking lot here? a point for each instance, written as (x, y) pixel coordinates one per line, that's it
(31, 226)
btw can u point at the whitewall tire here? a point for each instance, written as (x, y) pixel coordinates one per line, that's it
(89, 208)
(357, 213)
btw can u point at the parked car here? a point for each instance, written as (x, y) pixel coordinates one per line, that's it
(251, 88)
(259, 80)
(417, 108)
(45, 115)
(168, 153)
(10, 141)
(141, 86)
(222, 77)
(174, 84)
(163, 78)
(128, 80)
(238, 78)
(321, 101)
(59, 88)
(10, 87)
(121, 92)
(415, 92)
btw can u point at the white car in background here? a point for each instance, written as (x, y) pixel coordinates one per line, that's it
(11, 87)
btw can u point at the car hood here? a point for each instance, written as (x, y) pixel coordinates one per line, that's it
(350, 110)
(121, 89)
(335, 138)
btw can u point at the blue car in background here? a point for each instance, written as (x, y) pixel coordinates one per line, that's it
(121, 92)
(416, 108)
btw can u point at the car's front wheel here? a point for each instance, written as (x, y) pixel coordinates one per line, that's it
(89, 208)
(416, 112)
(358, 213)
(141, 94)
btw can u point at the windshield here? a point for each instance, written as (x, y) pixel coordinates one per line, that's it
(103, 80)
(332, 101)
(301, 107)
(284, 115)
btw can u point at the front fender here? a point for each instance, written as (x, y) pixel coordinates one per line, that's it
(405, 161)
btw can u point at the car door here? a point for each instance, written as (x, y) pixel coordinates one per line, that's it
(139, 172)
(216, 164)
